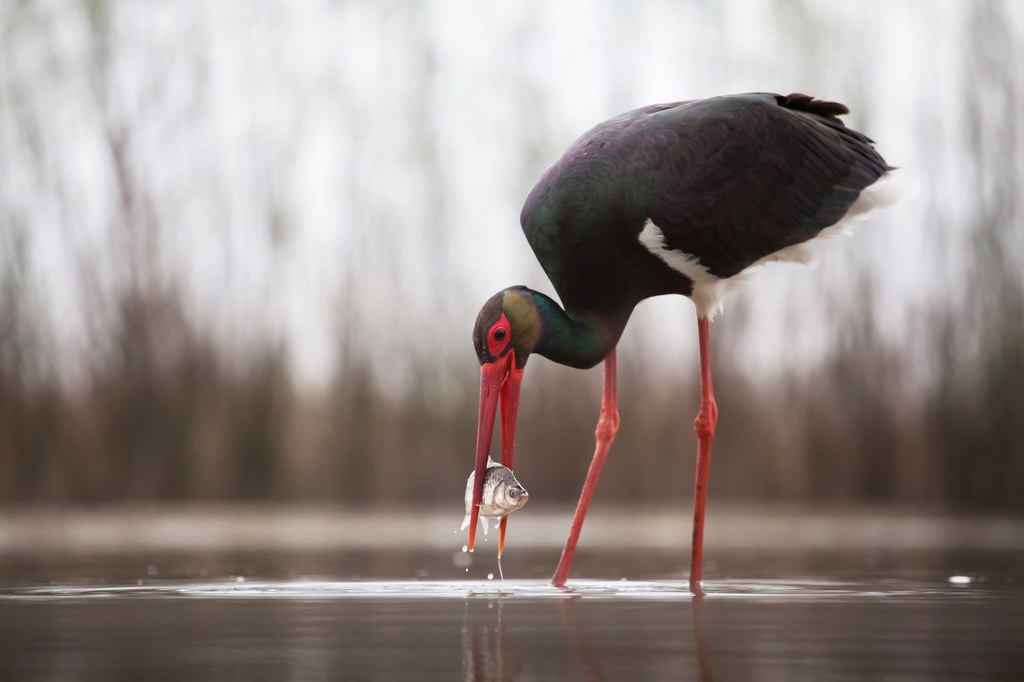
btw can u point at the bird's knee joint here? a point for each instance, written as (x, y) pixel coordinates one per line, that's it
(607, 428)
(706, 420)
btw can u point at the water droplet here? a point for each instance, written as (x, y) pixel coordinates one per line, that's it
(960, 579)
(151, 570)
(465, 548)
(467, 571)
(490, 576)
(239, 579)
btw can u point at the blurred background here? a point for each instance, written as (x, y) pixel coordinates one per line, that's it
(242, 247)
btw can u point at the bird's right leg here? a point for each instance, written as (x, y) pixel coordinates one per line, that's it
(607, 427)
(704, 426)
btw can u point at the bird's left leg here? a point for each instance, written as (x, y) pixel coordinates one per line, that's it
(704, 425)
(607, 427)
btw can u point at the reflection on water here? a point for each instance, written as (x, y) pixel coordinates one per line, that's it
(911, 623)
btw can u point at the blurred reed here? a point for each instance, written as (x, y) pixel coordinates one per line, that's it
(129, 372)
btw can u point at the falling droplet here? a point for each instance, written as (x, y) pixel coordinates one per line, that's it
(490, 576)
(960, 579)
(239, 579)
(465, 548)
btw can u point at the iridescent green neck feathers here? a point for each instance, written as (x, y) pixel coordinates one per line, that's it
(539, 325)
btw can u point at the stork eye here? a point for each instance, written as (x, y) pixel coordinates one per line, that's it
(499, 336)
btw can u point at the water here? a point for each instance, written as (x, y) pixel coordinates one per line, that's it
(835, 616)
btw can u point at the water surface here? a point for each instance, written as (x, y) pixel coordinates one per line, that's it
(279, 617)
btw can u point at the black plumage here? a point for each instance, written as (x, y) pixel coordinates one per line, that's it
(728, 180)
(672, 198)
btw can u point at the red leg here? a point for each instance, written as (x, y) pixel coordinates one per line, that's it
(704, 425)
(607, 426)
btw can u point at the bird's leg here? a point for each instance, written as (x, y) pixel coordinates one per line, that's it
(607, 426)
(704, 425)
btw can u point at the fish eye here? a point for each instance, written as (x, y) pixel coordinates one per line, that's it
(514, 494)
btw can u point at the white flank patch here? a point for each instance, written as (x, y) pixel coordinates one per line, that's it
(710, 292)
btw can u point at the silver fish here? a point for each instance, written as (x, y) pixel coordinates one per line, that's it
(503, 494)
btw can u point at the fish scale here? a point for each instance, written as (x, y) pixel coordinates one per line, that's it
(502, 495)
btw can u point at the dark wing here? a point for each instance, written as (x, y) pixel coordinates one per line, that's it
(729, 180)
(734, 179)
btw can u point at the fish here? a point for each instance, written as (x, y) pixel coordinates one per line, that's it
(503, 494)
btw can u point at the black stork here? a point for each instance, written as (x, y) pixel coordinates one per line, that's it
(681, 198)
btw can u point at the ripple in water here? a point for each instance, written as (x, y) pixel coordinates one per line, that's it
(658, 590)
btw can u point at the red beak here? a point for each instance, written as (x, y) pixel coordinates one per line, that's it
(499, 378)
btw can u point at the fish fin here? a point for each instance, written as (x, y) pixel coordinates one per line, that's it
(486, 523)
(465, 522)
